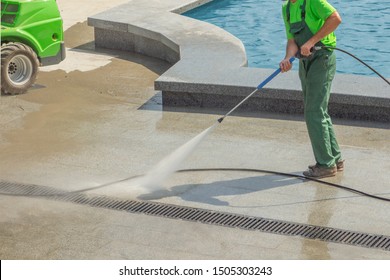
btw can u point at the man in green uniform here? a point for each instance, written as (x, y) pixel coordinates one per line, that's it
(311, 23)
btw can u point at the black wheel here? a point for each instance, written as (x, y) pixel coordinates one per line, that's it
(19, 68)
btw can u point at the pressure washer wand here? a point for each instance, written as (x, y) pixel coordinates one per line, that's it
(260, 86)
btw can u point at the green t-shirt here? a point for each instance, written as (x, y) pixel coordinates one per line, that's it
(317, 11)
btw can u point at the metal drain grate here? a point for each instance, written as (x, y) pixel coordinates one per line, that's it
(204, 216)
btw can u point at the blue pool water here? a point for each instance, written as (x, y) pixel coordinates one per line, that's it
(365, 31)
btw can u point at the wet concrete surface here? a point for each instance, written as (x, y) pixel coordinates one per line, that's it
(84, 128)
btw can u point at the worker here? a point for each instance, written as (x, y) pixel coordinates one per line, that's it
(312, 23)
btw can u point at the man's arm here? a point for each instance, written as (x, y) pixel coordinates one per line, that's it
(291, 50)
(330, 25)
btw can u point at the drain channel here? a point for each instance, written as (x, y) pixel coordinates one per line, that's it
(203, 216)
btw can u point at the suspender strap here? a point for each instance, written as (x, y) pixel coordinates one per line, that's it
(288, 11)
(303, 11)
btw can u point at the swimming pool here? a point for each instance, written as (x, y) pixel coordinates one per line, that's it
(365, 31)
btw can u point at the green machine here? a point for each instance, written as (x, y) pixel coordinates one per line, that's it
(31, 36)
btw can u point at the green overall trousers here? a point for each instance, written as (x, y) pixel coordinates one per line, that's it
(316, 73)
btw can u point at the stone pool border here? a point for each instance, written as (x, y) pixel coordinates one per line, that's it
(209, 64)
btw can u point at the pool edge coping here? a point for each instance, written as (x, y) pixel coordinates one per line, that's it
(208, 59)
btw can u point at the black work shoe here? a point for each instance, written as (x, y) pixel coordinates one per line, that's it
(320, 172)
(339, 165)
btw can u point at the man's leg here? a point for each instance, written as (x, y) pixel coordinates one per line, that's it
(319, 78)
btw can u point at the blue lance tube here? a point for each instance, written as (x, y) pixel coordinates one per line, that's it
(260, 86)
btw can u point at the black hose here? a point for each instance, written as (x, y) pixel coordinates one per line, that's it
(218, 169)
(358, 59)
(289, 175)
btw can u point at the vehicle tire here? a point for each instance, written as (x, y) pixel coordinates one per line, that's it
(19, 68)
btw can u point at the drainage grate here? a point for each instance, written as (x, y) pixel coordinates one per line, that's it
(204, 216)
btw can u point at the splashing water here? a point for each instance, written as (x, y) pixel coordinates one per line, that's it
(154, 179)
(169, 165)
